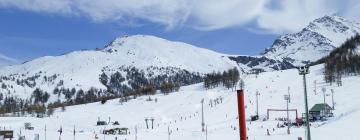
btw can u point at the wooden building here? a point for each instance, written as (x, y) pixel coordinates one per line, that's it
(320, 111)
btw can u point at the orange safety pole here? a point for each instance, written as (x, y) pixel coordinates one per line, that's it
(241, 111)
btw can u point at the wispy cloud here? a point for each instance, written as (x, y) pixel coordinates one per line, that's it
(5, 60)
(269, 15)
(48, 6)
(3, 57)
(292, 15)
(215, 14)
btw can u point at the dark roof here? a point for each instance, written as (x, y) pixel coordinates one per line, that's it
(319, 107)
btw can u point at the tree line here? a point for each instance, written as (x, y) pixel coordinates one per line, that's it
(227, 79)
(137, 82)
(124, 82)
(344, 60)
(39, 105)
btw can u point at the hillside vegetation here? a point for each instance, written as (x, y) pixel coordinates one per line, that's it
(342, 61)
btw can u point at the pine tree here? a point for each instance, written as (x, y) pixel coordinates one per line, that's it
(104, 79)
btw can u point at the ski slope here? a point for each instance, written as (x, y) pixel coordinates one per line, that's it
(181, 112)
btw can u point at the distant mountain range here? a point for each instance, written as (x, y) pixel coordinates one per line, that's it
(313, 42)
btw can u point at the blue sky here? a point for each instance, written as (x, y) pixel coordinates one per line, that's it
(35, 28)
(26, 35)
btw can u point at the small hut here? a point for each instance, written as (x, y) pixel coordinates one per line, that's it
(6, 134)
(116, 131)
(101, 123)
(320, 111)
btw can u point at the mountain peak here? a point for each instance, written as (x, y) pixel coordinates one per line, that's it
(138, 37)
(333, 23)
(315, 41)
(133, 41)
(332, 17)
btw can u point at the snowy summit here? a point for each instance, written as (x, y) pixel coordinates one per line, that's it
(314, 41)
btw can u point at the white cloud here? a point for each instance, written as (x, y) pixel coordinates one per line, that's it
(207, 14)
(3, 57)
(293, 15)
(4, 60)
(49, 6)
(169, 13)
(213, 14)
(275, 16)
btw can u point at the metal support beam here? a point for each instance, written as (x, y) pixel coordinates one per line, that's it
(303, 71)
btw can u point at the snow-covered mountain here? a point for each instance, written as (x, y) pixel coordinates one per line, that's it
(147, 56)
(144, 51)
(313, 42)
(6, 61)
